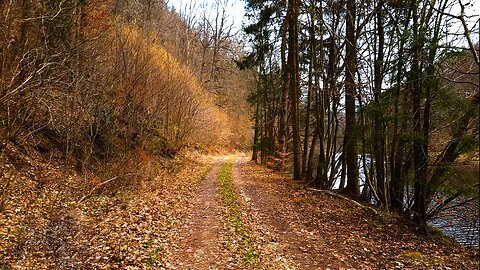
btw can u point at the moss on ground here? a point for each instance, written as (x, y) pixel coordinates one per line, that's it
(439, 236)
(415, 255)
(229, 197)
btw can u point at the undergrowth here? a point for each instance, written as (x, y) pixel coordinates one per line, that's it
(234, 213)
(51, 219)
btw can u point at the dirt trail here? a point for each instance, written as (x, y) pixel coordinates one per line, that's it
(286, 238)
(299, 229)
(292, 228)
(201, 246)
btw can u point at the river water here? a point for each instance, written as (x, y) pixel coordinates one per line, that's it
(461, 223)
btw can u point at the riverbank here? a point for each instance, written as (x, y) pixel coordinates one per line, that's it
(314, 230)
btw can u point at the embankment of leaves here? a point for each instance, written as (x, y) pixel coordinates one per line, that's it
(241, 241)
(304, 227)
(47, 222)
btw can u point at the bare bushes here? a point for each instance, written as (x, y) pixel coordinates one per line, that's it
(33, 61)
(81, 84)
(161, 103)
(95, 87)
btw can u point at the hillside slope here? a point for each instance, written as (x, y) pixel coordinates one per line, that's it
(101, 123)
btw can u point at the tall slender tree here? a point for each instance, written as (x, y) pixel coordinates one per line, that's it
(293, 10)
(350, 148)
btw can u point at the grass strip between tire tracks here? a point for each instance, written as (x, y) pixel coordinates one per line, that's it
(234, 212)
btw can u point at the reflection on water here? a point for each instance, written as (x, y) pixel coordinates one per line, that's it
(462, 224)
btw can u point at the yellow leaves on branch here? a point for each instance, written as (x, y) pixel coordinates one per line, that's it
(170, 94)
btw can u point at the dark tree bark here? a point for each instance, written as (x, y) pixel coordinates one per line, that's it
(379, 136)
(419, 155)
(310, 90)
(351, 151)
(294, 84)
(256, 135)
(311, 156)
(282, 130)
(398, 163)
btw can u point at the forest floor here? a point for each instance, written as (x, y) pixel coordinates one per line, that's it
(302, 229)
(206, 212)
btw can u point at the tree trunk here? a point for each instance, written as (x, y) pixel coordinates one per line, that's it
(282, 130)
(311, 156)
(309, 94)
(397, 149)
(351, 151)
(419, 155)
(292, 64)
(379, 137)
(256, 134)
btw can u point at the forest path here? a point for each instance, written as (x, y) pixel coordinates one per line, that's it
(281, 235)
(295, 228)
(273, 222)
(285, 238)
(201, 246)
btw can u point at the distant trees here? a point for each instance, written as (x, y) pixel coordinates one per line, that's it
(214, 48)
(371, 92)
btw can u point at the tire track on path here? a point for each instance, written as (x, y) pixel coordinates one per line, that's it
(284, 240)
(201, 246)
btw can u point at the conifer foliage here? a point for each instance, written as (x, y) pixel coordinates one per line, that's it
(366, 98)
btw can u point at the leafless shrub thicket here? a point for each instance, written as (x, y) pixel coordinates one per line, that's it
(91, 78)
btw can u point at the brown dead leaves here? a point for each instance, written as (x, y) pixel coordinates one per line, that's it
(43, 226)
(311, 230)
